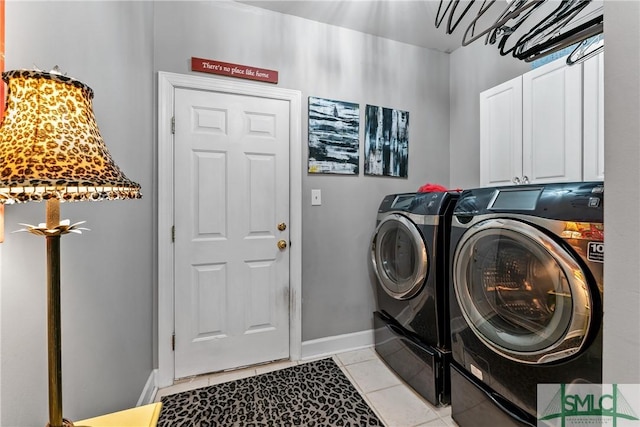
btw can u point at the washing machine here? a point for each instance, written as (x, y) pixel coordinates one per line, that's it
(525, 297)
(409, 253)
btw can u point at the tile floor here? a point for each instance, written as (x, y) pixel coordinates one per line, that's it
(395, 403)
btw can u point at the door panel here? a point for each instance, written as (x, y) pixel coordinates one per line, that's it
(552, 123)
(231, 191)
(501, 134)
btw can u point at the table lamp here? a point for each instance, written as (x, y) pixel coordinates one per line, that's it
(51, 150)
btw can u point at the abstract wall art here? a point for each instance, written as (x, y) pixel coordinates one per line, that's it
(334, 144)
(386, 142)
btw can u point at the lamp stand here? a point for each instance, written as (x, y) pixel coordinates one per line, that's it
(54, 328)
(46, 114)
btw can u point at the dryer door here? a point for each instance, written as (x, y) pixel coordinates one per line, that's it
(523, 294)
(399, 257)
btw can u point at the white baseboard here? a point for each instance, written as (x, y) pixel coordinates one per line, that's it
(337, 344)
(150, 390)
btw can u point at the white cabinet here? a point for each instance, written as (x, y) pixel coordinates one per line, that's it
(531, 127)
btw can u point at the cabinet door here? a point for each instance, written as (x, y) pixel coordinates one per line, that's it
(501, 134)
(593, 116)
(552, 123)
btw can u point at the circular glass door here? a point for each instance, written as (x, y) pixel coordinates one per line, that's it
(399, 257)
(520, 292)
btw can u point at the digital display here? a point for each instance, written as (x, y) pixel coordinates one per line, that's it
(522, 200)
(402, 201)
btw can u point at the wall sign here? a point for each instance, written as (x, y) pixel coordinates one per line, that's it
(234, 70)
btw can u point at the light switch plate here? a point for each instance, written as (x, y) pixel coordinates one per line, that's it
(316, 197)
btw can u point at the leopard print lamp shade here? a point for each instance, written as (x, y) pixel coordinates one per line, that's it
(50, 145)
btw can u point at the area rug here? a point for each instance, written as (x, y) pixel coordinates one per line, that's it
(310, 394)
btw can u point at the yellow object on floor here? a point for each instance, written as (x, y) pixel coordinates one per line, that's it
(142, 416)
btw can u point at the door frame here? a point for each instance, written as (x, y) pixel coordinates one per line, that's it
(167, 83)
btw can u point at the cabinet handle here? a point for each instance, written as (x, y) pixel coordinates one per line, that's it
(525, 179)
(516, 180)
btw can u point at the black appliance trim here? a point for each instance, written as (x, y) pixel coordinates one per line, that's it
(498, 406)
(429, 367)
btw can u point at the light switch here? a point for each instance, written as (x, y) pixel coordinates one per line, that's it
(316, 197)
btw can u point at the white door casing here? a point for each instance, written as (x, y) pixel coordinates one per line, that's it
(205, 326)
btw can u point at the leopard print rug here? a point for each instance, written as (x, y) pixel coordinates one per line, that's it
(311, 394)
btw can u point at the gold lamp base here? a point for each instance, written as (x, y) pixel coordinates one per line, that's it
(65, 423)
(53, 230)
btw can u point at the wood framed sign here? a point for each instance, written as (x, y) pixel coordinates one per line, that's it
(234, 70)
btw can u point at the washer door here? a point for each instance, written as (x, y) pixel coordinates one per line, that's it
(399, 257)
(525, 296)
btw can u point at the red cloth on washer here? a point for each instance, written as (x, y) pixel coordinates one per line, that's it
(432, 188)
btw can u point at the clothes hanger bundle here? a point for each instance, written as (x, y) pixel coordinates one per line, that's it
(535, 37)
(558, 30)
(550, 24)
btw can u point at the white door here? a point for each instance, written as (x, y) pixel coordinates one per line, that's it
(552, 123)
(231, 195)
(501, 134)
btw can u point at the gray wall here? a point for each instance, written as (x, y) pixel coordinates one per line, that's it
(107, 285)
(474, 68)
(335, 63)
(622, 157)
(108, 273)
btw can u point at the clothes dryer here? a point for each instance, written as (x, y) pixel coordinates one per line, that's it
(525, 297)
(409, 253)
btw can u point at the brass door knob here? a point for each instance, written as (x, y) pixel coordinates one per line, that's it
(282, 226)
(282, 244)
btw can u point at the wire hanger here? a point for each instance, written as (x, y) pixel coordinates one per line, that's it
(586, 49)
(438, 18)
(452, 28)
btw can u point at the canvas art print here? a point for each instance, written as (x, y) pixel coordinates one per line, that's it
(334, 128)
(386, 142)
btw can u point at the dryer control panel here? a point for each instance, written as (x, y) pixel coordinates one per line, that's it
(580, 201)
(436, 203)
